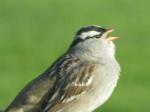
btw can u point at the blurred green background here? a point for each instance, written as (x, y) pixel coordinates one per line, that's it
(33, 33)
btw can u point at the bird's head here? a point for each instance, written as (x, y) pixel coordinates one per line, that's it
(94, 41)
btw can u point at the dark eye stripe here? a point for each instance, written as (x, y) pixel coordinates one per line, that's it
(78, 40)
(96, 36)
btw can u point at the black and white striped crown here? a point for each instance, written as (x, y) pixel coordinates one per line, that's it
(88, 32)
(91, 28)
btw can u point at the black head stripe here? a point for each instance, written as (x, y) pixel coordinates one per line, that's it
(76, 41)
(95, 36)
(90, 28)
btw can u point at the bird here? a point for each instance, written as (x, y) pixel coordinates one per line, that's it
(80, 80)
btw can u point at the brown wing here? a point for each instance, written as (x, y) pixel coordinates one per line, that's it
(73, 80)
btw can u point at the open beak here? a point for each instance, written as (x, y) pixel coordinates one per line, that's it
(109, 38)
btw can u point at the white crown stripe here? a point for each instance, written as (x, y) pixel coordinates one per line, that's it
(84, 35)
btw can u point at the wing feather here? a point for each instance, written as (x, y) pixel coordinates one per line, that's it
(73, 79)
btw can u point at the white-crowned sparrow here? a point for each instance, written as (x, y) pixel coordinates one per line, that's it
(79, 81)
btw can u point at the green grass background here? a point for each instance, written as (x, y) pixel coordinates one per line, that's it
(33, 33)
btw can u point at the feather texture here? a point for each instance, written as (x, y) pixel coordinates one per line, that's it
(74, 78)
(79, 81)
